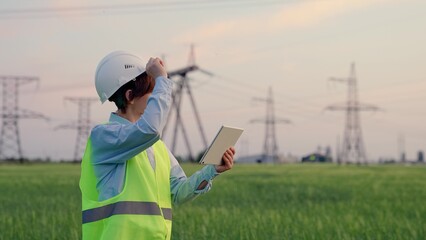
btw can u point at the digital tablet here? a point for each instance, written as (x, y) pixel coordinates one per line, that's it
(225, 138)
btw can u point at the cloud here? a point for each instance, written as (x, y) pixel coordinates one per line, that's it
(296, 16)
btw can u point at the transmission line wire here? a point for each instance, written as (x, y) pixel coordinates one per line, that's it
(132, 8)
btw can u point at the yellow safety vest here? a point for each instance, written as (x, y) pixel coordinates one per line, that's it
(142, 210)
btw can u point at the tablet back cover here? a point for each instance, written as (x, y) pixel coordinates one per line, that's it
(225, 138)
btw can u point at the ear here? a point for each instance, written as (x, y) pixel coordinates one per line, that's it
(129, 96)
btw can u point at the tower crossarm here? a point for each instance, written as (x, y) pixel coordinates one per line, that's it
(257, 121)
(81, 99)
(282, 120)
(368, 107)
(269, 121)
(260, 99)
(183, 71)
(355, 107)
(24, 113)
(19, 79)
(72, 125)
(335, 79)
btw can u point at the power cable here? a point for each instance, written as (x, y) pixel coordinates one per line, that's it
(237, 93)
(131, 8)
(243, 100)
(256, 89)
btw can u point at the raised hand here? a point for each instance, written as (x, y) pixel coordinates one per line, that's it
(155, 68)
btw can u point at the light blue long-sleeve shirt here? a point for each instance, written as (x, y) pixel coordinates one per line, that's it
(120, 140)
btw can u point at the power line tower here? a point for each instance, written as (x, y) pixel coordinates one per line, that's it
(83, 123)
(183, 86)
(353, 149)
(10, 142)
(401, 148)
(270, 146)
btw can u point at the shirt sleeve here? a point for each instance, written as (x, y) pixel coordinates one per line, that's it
(116, 143)
(183, 188)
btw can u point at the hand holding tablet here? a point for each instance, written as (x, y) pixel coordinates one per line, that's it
(225, 138)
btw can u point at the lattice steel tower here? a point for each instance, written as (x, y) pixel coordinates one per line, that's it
(83, 124)
(10, 142)
(270, 146)
(183, 86)
(353, 149)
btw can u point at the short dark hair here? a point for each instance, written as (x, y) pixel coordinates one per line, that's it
(140, 86)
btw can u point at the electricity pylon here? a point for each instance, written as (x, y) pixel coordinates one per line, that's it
(353, 149)
(83, 123)
(270, 146)
(401, 148)
(183, 86)
(11, 113)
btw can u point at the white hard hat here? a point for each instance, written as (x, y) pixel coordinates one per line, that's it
(115, 70)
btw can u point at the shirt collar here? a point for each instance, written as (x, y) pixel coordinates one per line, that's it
(114, 117)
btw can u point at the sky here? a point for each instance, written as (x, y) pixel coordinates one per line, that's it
(294, 47)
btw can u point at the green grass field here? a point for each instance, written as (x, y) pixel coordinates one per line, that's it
(250, 202)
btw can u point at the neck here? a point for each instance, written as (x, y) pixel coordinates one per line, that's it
(129, 115)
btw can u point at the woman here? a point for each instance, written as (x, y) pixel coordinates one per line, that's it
(129, 178)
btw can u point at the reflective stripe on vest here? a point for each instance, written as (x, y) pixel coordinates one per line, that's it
(125, 207)
(142, 210)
